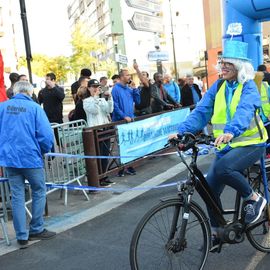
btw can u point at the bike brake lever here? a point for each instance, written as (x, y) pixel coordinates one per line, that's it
(166, 145)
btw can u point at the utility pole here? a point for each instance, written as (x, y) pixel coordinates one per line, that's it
(115, 39)
(26, 39)
(173, 44)
(157, 47)
(117, 60)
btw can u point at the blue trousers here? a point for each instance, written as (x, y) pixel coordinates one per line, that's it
(228, 170)
(36, 179)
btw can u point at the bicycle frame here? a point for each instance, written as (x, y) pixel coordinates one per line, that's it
(207, 195)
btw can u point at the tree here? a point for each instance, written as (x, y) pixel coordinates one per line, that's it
(43, 64)
(60, 66)
(88, 52)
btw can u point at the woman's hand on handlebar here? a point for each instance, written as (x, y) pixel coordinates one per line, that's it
(173, 139)
(173, 136)
(223, 138)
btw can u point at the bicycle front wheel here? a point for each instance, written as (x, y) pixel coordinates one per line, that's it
(151, 245)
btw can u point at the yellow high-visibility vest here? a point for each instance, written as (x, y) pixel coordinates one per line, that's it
(265, 99)
(253, 135)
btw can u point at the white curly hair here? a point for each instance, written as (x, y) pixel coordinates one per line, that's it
(245, 69)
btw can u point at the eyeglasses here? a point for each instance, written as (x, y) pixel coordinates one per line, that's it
(227, 65)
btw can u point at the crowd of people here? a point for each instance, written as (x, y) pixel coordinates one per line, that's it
(149, 96)
(98, 103)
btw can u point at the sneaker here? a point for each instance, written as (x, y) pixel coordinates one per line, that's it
(121, 173)
(130, 171)
(44, 235)
(108, 181)
(254, 209)
(103, 183)
(22, 243)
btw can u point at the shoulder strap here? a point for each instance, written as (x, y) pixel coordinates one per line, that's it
(219, 84)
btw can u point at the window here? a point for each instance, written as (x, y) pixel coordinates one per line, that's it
(88, 2)
(69, 12)
(81, 7)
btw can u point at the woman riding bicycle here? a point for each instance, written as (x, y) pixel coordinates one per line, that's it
(232, 104)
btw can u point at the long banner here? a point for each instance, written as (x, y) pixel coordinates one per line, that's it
(149, 135)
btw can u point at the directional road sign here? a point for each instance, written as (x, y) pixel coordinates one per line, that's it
(145, 5)
(158, 56)
(145, 22)
(120, 58)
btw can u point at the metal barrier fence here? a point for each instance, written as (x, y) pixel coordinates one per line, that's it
(5, 200)
(68, 140)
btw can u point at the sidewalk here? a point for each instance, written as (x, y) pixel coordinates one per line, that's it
(152, 172)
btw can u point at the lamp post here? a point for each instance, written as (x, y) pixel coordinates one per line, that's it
(173, 44)
(114, 37)
(26, 39)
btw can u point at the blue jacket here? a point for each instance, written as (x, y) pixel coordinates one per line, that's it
(173, 90)
(25, 133)
(202, 114)
(123, 100)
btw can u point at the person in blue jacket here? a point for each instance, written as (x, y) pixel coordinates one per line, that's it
(171, 88)
(232, 105)
(25, 135)
(124, 98)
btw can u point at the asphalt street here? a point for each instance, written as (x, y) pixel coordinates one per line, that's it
(103, 242)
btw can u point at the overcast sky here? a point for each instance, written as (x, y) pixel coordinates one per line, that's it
(48, 27)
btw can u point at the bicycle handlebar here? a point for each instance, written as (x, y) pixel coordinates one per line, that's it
(188, 140)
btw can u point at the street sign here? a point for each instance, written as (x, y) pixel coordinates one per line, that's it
(158, 56)
(120, 58)
(145, 22)
(145, 5)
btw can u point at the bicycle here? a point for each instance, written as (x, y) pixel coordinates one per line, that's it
(176, 234)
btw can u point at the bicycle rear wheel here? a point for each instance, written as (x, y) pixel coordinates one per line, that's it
(151, 240)
(258, 234)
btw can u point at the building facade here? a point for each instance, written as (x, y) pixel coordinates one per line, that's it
(109, 22)
(7, 37)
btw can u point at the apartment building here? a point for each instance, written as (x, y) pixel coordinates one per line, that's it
(109, 22)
